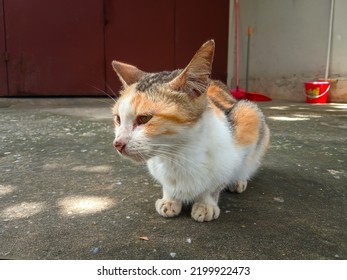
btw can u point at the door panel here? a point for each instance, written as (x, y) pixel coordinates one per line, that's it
(55, 47)
(65, 47)
(139, 33)
(196, 22)
(3, 71)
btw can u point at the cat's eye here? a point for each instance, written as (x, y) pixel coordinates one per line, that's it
(118, 119)
(143, 119)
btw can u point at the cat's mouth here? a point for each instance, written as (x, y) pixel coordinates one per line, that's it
(131, 151)
(134, 156)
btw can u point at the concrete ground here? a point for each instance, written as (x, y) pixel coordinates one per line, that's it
(66, 194)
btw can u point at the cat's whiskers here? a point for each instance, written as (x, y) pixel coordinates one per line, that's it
(114, 93)
(173, 158)
(174, 154)
(107, 94)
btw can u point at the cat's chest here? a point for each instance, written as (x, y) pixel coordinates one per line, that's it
(209, 158)
(175, 171)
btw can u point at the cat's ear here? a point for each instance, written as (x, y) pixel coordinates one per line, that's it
(194, 79)
(128, 74)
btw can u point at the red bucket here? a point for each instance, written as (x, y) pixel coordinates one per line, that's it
(317, 92)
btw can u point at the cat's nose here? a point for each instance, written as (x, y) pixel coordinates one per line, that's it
(119, 145)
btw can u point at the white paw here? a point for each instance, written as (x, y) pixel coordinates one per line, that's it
(168, 208)
(205, 212)
(239, 187)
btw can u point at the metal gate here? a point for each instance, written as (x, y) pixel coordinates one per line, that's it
(65, 48)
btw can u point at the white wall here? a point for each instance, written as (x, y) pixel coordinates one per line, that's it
(289, 46)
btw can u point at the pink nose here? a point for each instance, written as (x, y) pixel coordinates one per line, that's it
(119, 145)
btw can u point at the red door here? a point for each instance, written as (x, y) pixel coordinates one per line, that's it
(196, 22)
(55, 47)
(63, 47)
(3, 71)
(140, 33)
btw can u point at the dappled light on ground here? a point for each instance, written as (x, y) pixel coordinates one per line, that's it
(307, 116)
(339, 105)
(6, 189)
(93, 169)
(83, 205)
(79, 168)
(288, 118)
(279, 107)
(22, 210)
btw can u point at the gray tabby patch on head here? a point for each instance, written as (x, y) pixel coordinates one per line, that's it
(151, 79)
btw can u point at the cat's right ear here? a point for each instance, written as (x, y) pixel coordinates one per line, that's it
(195, 78)
(128, 74)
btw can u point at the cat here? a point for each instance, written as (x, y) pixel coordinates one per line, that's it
(195, 138)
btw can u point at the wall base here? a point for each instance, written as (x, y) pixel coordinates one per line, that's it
(293, 88)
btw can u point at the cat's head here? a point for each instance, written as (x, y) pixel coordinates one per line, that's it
(155, 111)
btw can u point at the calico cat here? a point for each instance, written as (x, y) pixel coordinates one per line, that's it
(195, 138)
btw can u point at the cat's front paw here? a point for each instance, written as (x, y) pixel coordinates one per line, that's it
(168, 208)
(239, 187)
(205, 212)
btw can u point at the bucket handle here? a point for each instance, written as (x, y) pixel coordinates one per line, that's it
(314, 97)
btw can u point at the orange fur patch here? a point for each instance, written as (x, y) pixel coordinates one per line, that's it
(160, 127)
(219, 95)
(219, 113)
(167, 116)
(246, 122)
(142, 105)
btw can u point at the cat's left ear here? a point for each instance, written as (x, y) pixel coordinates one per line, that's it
(128, 74)
(194, 79)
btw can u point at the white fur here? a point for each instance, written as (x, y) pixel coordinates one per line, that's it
(209, 163)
